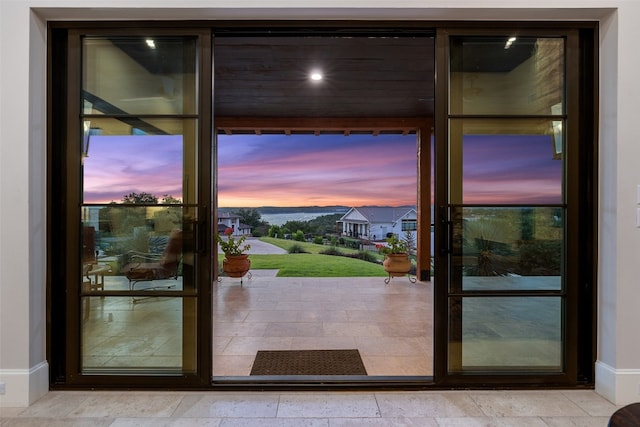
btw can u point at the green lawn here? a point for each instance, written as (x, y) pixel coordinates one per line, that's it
(312, 248)
(315, 265)
(312, 264)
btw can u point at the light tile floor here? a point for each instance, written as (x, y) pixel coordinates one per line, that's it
(326, 409)
(275, 314)
(391, 325)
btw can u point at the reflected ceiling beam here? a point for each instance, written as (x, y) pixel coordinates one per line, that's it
(109, 110)
(291, 125)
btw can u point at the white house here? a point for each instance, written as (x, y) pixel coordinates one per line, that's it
(231, 220)
(374, 223)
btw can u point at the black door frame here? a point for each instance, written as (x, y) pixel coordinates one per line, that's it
(63, 241)
(580, 200)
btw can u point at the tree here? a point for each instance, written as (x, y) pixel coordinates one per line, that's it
(274, 231)
(410, 240)
(253, 218)
(299, 225)
(170, 200)
(142, 198)
(250, 216)
(325, 224)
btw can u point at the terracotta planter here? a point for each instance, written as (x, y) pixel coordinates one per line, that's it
(397, 264)
(236, 265)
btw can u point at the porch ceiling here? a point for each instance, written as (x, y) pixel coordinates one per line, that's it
(263, 85)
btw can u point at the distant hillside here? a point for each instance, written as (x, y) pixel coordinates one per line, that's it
(269, 210)
(272, 210)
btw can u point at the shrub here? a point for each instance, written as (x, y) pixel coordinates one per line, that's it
(298, 236)
(364, 256)
(297, 249)
(332, 250)
(352, 243)
(318, 240)
(367, 256)
(541, 258)
(274, 231)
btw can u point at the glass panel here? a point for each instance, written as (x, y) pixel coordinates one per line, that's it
(508, 333)
(506, 161)
(137, 248)
(145, 335)
(506, 76)
(147, 158)
(139, 75)
(498, 248)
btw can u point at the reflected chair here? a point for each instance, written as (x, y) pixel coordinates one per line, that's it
(147, 267)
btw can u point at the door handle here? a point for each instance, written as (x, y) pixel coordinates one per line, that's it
(200, 228)
(443, 219)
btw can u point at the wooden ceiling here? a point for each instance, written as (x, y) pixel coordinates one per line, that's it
(380, 83)
(370, 84)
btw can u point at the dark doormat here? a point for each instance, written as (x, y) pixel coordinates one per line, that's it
(308, 362)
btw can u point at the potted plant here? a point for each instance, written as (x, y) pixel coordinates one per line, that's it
(236, 263)
(396, 257)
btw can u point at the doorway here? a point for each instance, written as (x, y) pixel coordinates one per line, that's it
(315, 289)
(391, 103)
(354, 97)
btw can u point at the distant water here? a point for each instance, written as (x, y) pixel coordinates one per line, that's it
(280, 219)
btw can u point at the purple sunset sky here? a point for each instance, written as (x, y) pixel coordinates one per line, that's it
(304, 170)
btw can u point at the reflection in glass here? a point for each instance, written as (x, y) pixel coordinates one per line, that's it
(139, 75)
(136, 248)
(499, 248)
(509, 333)
(506, 76)
(145, 336)
(507, 161)
(121, 159)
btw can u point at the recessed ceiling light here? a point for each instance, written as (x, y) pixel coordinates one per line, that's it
(151, 43)
(316, 76)
(509, 42)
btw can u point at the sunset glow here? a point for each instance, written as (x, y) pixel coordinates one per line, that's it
(309, 170)
(306, 170)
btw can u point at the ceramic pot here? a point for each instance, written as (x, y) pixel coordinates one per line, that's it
(236, 265)
(397, 264)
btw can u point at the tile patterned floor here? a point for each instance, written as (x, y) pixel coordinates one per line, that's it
(330, 409)
(391, 325)
(266, 314)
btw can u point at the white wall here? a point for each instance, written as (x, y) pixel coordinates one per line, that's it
(23, 367)
(618, 366)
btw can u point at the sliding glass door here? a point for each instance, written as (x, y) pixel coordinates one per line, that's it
(507, 209)
(132, 197)
(138, 186)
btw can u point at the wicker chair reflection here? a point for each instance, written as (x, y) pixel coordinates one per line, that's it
(147, 267)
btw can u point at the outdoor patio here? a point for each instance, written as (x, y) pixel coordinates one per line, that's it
(391, 325)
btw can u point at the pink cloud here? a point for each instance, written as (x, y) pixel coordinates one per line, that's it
(309, 170)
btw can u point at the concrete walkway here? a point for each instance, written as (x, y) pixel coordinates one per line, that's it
(260, 247)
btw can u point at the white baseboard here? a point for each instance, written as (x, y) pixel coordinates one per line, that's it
(620, 386)
(22, 387)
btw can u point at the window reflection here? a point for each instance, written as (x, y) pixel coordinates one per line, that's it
(507, 161)
(135, 156)
(139, 75)
(506, 75)
(507, 333)
(499, 248)
(119, 335)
